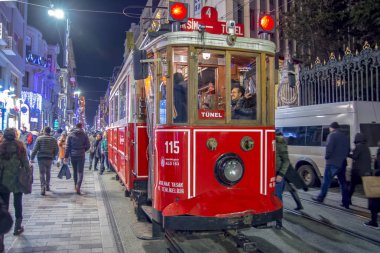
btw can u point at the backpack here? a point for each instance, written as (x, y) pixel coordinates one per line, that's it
(25, 179)
(29, 139)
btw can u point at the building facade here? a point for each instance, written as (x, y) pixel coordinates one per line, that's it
(41, 87)
(13, 17)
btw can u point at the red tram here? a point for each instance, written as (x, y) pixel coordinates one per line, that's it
(185, 142)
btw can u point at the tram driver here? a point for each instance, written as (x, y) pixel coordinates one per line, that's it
(242, 105)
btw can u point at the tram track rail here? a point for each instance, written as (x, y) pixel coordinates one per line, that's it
(334, 226)
(353, 212)
(236, 239)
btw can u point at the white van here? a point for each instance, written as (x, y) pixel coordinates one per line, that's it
(306, 128)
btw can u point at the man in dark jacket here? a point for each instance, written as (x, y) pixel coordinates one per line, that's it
(46, 149)
(282, 165)
(337, 150)
(76, 146)
(98, 150)
(241, 106)
(361, 165)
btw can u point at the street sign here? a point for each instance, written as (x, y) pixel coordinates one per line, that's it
(209, 20)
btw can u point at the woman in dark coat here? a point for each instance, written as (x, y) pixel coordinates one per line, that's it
(374, 203)
(361, 165)
(13, 160)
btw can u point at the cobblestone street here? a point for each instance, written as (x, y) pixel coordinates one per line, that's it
(63, 221)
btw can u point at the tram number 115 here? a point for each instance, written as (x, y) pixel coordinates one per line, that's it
(172, 147)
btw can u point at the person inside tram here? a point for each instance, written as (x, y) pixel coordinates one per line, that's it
(243, 107)
(163, 88)
(208, 97)
(180, 98)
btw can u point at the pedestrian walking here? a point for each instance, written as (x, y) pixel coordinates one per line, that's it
(26, 138)
(104, 151)
(62, 146)
(282, 165)
(58, 134)
(92, 139)
(14, 163)
(361, 165)
(337, 150)
(46, 149)
(374, 203)
(77, 144)
(97, 150)
(293, 181)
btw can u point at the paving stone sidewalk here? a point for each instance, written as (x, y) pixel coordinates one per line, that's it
(62, 221)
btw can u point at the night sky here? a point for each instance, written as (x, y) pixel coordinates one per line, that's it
(98, 39)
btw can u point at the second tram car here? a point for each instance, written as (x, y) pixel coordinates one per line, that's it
(192, 132)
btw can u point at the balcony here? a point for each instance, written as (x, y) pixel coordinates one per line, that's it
(9, 49)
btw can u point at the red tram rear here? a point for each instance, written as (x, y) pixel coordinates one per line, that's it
(192, 131)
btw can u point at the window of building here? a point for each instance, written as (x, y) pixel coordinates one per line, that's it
(25, 80)
(197, 7)
(18, 44)
(28, 43)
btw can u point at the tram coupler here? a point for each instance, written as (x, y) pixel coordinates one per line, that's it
(241, 241)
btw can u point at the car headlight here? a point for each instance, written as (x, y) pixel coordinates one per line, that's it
(229, 169)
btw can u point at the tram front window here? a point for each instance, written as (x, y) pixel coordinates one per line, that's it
(243, 87)
(211, 85)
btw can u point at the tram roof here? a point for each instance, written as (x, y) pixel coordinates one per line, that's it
(209, 40)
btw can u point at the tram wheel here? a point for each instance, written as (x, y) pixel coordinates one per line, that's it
(307, 174)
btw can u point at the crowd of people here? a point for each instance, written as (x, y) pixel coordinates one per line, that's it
(336, 154)
(18, 150)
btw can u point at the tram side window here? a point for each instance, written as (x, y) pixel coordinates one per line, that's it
(122, 109)
(116, 107)
(111, 111)
(162, 88)
(180, 85)
(243, 87)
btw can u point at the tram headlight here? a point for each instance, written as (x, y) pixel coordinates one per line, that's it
(229, 169)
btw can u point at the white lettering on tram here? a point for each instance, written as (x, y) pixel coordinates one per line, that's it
(211, 115)
(238, 30)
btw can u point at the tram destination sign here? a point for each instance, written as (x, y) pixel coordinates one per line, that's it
(209, 19)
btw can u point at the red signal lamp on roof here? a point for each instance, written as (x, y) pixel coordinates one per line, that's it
(178, 12)
(266, 24)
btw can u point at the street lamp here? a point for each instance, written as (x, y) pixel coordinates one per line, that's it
(60, 14)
